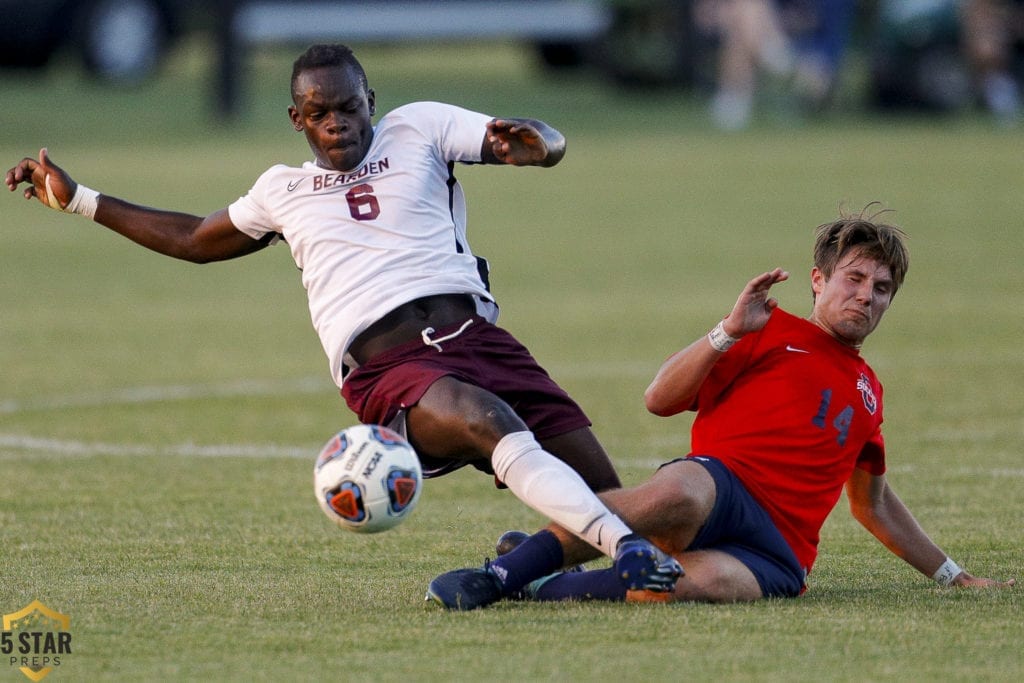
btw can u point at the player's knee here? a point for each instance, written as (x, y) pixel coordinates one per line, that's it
(674, 502)
(668, 513)
(488, 418)
(685, 487)
(482, 416)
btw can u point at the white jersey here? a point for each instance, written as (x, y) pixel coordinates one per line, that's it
(389, 231)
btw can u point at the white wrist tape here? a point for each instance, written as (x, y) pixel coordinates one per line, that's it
(720, 339)
(83, 203)
(945, 574)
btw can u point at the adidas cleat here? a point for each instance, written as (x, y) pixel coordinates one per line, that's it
(465, 589)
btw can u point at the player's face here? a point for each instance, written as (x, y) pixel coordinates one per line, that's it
(333, 109)
(850, 304)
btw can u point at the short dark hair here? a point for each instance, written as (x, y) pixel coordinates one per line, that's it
(325, 55)
(876, 240)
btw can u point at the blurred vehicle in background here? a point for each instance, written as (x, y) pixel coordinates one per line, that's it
(915, 48)
(116, 40)
(641, 42)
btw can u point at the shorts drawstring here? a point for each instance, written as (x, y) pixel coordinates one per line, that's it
(436, 343)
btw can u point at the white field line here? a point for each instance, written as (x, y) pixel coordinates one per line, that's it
(156, 394)
(255, 387)
(302, 385)
(61, 448)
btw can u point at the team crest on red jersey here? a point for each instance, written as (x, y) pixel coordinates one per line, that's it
(867, 394)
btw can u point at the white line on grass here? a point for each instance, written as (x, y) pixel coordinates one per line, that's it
(258, 387)
(155, 394)
(59, 448)
(64, 448)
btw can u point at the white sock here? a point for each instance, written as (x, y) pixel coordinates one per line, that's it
(555, 490)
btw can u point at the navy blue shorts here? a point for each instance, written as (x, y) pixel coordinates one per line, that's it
(740, 527)
(484, 355)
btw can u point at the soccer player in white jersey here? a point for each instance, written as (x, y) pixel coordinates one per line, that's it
(376, 223)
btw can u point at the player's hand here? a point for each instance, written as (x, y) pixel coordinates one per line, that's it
(523, 142)
(754, 307)
(46, 181)
(515, 142)
(965, 580)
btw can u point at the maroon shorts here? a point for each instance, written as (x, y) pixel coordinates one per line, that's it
(483, 355)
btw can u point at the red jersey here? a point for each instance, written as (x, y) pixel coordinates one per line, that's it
(791, 411)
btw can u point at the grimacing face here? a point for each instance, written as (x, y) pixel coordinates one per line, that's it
(850, 304)
(333, 110)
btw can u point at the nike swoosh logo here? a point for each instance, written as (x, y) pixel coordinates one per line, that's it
(599, 530)
(294, 184)
(795, 349)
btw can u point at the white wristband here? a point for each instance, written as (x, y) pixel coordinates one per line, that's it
(85, 202)
(945, 574)
(719, 339)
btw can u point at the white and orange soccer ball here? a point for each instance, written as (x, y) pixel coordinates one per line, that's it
(367, 479)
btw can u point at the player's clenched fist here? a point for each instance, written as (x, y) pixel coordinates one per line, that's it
(47, 182)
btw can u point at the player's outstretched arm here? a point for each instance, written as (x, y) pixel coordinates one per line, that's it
(180, 235)
(680, 377)
(877, 507)
(522, 142)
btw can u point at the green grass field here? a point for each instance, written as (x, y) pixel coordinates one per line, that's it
(159, 420)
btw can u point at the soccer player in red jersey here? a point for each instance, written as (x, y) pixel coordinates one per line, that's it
(788, 414)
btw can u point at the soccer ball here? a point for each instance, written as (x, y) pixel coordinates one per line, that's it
(367, 479)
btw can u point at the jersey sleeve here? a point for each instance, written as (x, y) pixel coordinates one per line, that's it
(249, 212)
(457, 132)
(872, 456)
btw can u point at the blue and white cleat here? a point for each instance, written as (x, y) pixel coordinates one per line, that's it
(641, 566)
